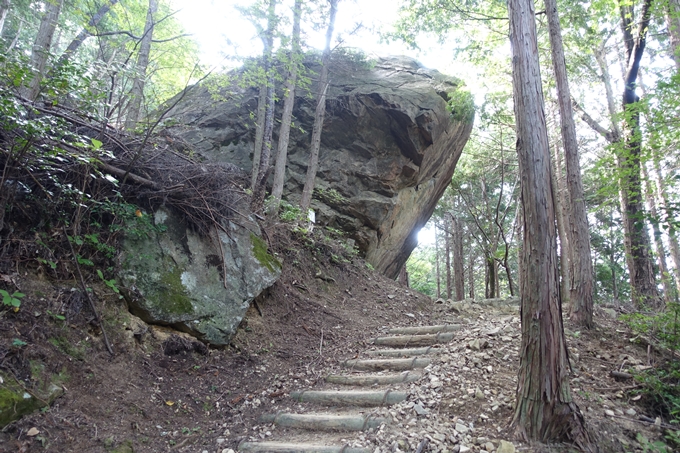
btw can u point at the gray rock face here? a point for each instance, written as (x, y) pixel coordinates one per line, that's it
(193, 283)
(388, 150)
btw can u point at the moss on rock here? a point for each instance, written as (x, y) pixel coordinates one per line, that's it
(263, 256)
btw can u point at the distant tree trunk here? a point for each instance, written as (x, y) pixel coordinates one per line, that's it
(672, 233)
(42, 45)
(643, 281)
(137, 92)
(403, 276)
(673, 24)
(436, 261)
(658, 241)
(259, 131)
(612, 257)
(560, 203)
(471, 274)
(580, 264)
(4, 10)
(86, 32)
(319, 114)
(544, 410)
(287, 116)
(458, 259)
(492, 278)
(447, 246)
(261, 165)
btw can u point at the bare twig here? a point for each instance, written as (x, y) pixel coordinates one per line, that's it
(87, 294)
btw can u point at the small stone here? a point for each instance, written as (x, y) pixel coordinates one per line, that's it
(609, 412)
(505, 447)
(464, 449)
(33, 432)
(462, 428)
(390, 296)
(630, 412)
(420, 410)
(489, 446)
(479, 394)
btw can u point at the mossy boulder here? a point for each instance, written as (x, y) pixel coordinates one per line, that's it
(200, 285)
(17, 401)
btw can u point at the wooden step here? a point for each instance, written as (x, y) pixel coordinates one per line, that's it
(402, 352)
(368, 380)
(353, 398)
(424, 330)
(280, 447)
(414, 340)
(324, 422)
(387, 364)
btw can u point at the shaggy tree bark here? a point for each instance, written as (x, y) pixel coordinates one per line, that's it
(544, 409)
(287, 116)
(580, 264)
(319, 113)
(137, 92)
(41, 46)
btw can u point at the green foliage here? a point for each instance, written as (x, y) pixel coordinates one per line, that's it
(11, 300)
(289, 213)
(329, 196)
(461, 104)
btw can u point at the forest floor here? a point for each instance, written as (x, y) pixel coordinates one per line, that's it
(162, 391)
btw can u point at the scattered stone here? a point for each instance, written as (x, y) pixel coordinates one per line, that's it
(505, 447)
(630, 412)
(609, 412)
(462, 428)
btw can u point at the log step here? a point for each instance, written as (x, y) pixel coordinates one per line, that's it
(324, 422)
(414, 340)
(354, 398)
(402, 352)
(368, 380)
(280, 447)
(387, 364)
(424, 330)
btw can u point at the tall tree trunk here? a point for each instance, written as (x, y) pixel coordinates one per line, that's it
(458, 259)
(612, 257)
(447, 259)
(637, 241)
(4, 10)
(86, 32)
(137, 92)
(544, 409)
(259, 130)
(319, 114)
(658, 241)
(42, 45)
(673, 24)
(580, 264)
(287, 116)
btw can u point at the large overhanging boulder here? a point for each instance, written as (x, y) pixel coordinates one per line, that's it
(388, 150)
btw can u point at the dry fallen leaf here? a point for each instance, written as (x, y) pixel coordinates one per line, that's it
(33, 432)
(170, 403)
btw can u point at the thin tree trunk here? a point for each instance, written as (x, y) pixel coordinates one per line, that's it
(560, 202)
(658, 242)
(319, 113)
(447, 247)
(137, 92)
(672, 236)
(458, 259)
(471, 274)
(86, 32)
(612, 257)
(436, 259)
(544, 409)
(673, 24)
(4, 10)
(580, 264)
(287, 116)
(42, 45)
(259, 131)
